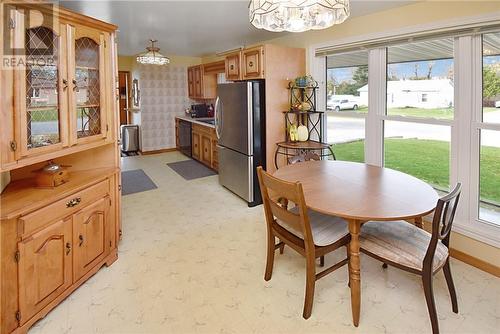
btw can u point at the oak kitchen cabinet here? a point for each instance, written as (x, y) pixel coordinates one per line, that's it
(202, 80)
(61, 106)
(201, 84)
(246, 64)
(203, 144)
(207, 145)
(53, 246)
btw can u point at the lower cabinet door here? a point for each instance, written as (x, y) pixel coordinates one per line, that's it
(196, 146)
(215, 155)
(90, 237)
(206, 150)
(45, 266)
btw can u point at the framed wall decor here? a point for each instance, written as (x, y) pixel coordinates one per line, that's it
(136, 93)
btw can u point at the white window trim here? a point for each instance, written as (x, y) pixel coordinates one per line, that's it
(465, 143)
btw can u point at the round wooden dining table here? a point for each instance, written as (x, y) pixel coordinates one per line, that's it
(359, 193)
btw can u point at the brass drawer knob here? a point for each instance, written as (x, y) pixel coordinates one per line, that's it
(73, 202)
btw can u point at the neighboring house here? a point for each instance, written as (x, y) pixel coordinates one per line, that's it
(427, 94)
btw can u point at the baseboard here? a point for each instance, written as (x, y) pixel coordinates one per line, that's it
(466, 258)
(165, 150)
(475, 262)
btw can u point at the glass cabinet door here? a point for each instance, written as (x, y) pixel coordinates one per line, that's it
(41, 85)
(88, 98)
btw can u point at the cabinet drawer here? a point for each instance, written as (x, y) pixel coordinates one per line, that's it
(62, 208)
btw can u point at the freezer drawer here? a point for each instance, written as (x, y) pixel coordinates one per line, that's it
(236, 172)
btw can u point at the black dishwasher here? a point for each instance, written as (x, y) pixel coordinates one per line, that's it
(185, 137)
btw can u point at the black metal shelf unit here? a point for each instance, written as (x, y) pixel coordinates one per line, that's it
(303, 111)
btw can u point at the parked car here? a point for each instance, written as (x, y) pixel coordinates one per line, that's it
(497, 104)
(342, 104)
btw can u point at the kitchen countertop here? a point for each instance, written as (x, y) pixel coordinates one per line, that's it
(197, 120)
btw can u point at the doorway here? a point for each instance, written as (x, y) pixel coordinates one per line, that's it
(124, 80)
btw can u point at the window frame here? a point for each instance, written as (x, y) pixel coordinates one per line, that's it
(465, 126)
(342, 113)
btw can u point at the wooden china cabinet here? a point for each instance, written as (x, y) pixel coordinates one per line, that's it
(60, 105)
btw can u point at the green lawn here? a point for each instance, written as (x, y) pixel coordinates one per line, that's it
(439, 113)
(428, 160)
(49, 115)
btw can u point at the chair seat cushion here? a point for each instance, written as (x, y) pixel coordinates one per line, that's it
(325, 229)
(400, 242)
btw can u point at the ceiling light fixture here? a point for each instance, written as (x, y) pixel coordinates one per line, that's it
(297, 15)
(153, 56)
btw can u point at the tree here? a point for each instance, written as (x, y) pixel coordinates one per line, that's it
(416, 71)
(491, 81)
(360, 76)
(430, 65)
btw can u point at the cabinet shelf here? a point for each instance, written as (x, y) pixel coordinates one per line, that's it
(87, 105)
(22, 196)
(44, 108)
(89, 68)
(302, 112)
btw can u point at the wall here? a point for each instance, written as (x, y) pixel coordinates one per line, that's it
(163, 95)
(391, 20)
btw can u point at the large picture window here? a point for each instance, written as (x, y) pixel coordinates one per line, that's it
(489, 160)
(420, 89)
(428, 107)
(347, 104)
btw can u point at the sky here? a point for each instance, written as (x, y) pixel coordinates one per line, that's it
(406, 70)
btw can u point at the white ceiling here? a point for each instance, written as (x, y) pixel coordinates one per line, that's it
(190, 28)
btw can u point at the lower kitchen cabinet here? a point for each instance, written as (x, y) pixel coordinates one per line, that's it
(48, 250)
(90, 236)
(204, 145)
(45, 267)
(206, 149)
(196, 146)
(215, 155)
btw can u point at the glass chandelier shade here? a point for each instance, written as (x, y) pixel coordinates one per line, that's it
(152, 56)
(297, 15)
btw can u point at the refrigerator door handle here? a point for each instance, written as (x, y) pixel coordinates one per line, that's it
(218, 117)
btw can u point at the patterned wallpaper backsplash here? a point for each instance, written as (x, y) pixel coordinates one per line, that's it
(164, 95)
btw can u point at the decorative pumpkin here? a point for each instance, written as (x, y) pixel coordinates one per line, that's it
(303, 133)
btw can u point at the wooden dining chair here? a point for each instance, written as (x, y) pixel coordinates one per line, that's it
(405, 246)
(310, 233)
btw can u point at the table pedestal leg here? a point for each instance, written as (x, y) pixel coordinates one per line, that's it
(419, 222)
(354, 270)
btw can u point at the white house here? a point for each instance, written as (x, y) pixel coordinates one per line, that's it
(427, 94)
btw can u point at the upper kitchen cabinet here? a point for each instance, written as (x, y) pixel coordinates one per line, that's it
(40, 91)
(202, 82)
(61, 100)
(246, 64)
(233, 66)
(252, 63)
(87, 70)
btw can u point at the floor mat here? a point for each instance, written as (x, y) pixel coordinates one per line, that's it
(191, 169)
(136, 181)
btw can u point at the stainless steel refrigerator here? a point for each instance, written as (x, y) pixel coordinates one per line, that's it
(240, 128)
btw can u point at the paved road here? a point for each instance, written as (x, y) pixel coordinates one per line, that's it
(347, 129)
(39, 128)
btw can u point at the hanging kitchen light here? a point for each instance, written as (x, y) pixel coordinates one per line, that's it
(152, 56)
(297, 15)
